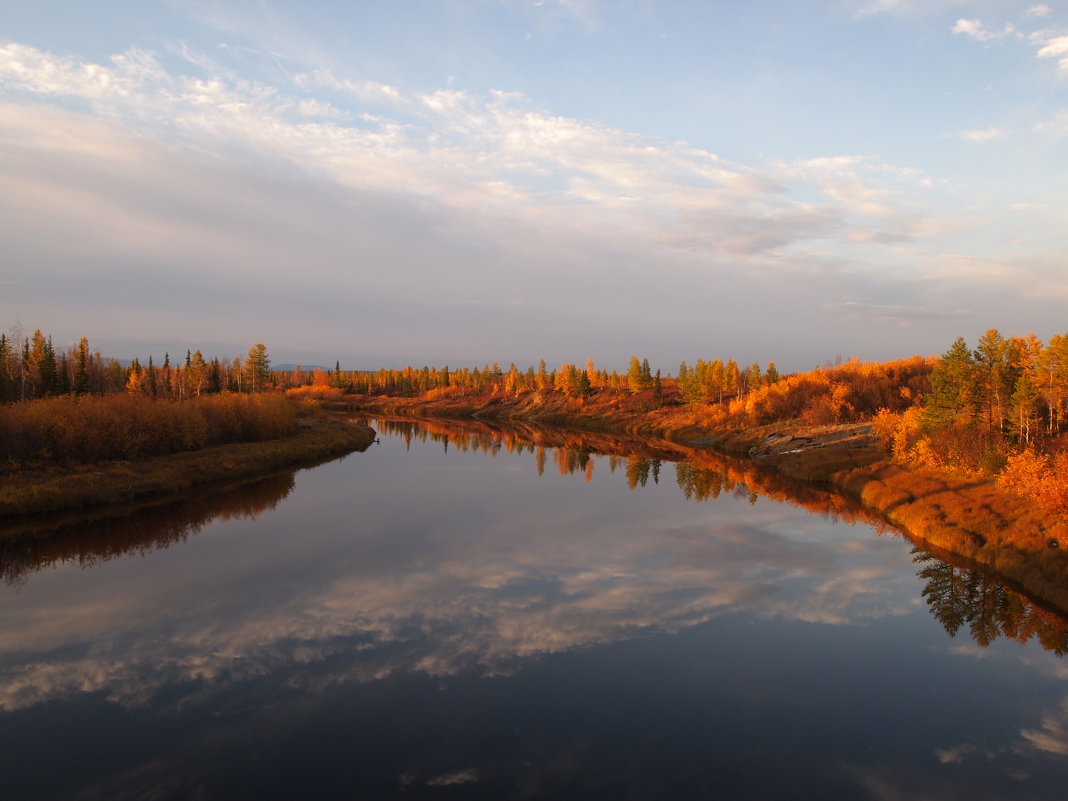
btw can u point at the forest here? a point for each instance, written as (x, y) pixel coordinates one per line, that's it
(995, 410)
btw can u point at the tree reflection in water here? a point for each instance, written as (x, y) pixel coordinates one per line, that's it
(958, 596)
(90, 540)
(963, 596)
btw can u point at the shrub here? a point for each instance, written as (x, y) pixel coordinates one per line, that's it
(69, 430)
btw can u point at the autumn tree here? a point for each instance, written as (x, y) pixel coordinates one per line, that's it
(541, 378)
(1025, 418)
(732, 377)
(257, 368)
(992, 375)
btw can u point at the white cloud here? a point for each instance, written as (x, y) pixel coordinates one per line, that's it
(975, 29)
(1040, 10)
(980, 135)
(1055, 47)
(486, 179)
(903, 7)
(367, 91)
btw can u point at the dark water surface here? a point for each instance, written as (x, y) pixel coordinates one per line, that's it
(457, 613)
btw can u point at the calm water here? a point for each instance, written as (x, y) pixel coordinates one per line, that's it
(460, 614)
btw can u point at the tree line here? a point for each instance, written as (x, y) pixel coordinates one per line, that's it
(31, 367)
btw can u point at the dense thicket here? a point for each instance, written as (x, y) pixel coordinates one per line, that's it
(72, 429)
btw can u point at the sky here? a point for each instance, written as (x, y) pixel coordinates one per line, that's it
(397, 182)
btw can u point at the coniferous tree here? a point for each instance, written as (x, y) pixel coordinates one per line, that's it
(7, 382)
(81, 368)
(954, 395)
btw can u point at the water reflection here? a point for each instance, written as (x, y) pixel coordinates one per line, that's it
(963, 596)
(956, 595)
(485, 624)
(29, 546)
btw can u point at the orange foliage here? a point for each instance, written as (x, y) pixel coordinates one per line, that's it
(317, 391)
(69, 430)
(1042, 478)
(845, 393)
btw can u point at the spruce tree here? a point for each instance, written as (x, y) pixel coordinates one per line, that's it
(81, 368)
(955, 391)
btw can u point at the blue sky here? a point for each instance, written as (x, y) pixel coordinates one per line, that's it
(467, 181)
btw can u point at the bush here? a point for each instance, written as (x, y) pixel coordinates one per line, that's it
(70, 430)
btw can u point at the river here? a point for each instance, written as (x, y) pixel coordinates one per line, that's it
(470, 612)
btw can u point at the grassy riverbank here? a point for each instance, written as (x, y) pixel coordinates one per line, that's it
(54, 489)
(968, 516)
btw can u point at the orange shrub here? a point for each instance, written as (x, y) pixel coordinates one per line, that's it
(69, 430)
(315, 392)
(1043, 478)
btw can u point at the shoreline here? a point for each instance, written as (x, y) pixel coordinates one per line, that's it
(42, 492)
(968, 517)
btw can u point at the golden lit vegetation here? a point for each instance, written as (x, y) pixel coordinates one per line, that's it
(77, 430)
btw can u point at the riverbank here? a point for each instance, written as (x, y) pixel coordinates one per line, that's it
(120, 482)
(964, 515)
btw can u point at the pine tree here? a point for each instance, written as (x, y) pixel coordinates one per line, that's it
(7, 381)
(81, 368)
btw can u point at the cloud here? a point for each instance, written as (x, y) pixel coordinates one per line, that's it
(1055, 47)
(905, 7)
(367, 91)
(1052, 736)
(1040, 10)
(974, 28)
(458, 606)
(980, 135)
(372, 189)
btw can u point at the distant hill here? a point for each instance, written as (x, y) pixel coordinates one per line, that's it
(307, 368)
